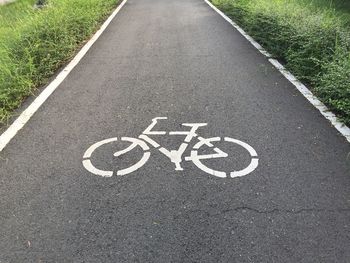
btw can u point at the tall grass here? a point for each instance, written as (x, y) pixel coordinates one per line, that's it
(34, 43)
(311, 37)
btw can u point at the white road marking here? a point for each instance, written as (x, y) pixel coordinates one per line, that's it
(136, 166)
(341, 127)
(207, 142)
(149, 131)
(251, 167)
(175, 156)
(19, 123)
(92, 169)
(149, 140)
(249, 148)
(143, 145)
(87, 162)
(120, 153)
(134, 142)
(196, 159)
(93, 147)
(204, 168)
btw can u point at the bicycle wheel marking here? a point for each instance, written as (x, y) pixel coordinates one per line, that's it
(249, 148)
(87, 162)
(175, 156)
(253, 163)
(195, 158)
(134, 142)
(92, 169)
(136, 166)
(251, 167)
(93, 147)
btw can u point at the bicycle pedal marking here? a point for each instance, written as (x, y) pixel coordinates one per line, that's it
(175, 156)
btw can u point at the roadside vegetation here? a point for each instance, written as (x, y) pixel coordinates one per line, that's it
(312, 38)
(35, 42)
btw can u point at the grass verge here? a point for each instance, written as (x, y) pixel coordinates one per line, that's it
(312, 38)
(34, 43)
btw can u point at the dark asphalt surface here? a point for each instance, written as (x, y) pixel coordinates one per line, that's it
(181, 60)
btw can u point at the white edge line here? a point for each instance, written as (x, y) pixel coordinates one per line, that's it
(341, 127)
(25, 116)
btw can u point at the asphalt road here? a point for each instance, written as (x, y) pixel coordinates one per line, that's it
(181, 60)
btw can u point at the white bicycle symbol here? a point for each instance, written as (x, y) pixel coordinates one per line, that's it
(175, 156)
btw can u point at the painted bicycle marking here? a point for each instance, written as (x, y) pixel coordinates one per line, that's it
(175, 156)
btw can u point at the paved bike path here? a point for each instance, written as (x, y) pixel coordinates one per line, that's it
(181, 60)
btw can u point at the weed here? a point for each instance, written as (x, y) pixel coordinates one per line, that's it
(311, 37)
(35, 42)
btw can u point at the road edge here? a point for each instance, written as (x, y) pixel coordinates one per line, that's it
(25, 116)
(323, 109)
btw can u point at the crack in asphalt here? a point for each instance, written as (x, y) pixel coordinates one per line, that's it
(286, 211)
(271, 211)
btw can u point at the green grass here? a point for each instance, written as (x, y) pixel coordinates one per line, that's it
(312, 37)
(34, 43)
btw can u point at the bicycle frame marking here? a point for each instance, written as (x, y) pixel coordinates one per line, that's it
(175, 156)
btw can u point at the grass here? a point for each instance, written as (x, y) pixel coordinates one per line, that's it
(34, 43)
(312, 38)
